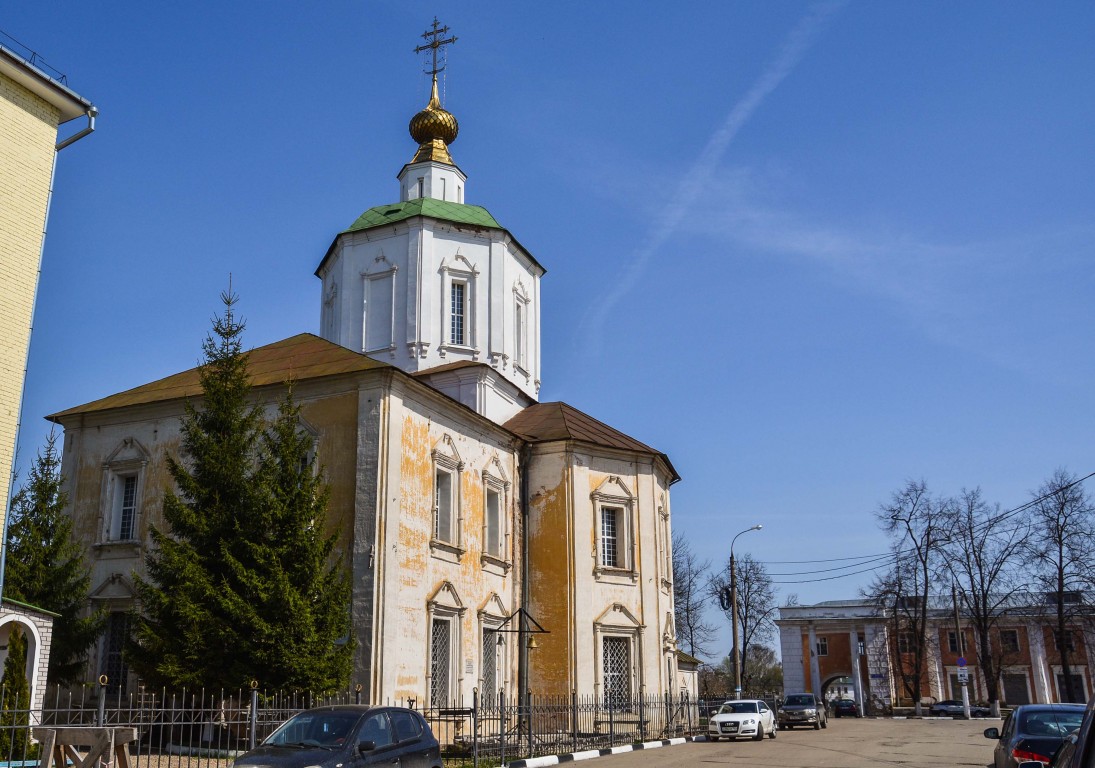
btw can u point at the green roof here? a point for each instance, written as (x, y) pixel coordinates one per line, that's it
(424, 206)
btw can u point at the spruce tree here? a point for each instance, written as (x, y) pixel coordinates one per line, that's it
(45, 566)
(15, 699)
(240, 584)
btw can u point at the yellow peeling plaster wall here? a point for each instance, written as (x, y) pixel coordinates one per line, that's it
(419, 577)
(577, 601)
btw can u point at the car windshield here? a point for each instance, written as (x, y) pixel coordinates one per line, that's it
(799, 701)
(1050, 723)
(315, 729)
(738, 708)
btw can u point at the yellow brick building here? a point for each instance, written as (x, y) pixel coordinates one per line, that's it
(32, 106)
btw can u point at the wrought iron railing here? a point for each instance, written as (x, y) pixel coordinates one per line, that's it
(203, 729)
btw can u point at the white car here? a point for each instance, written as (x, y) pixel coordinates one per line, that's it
(744, 717)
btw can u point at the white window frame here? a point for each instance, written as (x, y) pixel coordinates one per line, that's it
(522, 304)
(496, 482)
(461, 271)
(446, 606)
(447, 463)
(612, 494)
(823, 646)
(370, 279)
(115, 475)
(629, 642)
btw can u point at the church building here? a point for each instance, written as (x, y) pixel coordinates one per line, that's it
(490, 536)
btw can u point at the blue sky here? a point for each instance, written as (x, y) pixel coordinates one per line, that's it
(809, 250)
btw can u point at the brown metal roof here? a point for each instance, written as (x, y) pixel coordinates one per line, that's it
(304, 356)
(547, 422)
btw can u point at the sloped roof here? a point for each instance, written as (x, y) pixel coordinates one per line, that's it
(443, 210)
(304, 356)
(425, 206)
(548, 422)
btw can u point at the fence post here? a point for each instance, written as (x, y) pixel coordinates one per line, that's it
(253, 716)
(475, 727)
(642, 713)
(103, 680)
(502, 723)
(611, 724)
(528, 719)
(574, 717)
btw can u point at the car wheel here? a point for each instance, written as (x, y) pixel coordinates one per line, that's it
(712, 738)
(760, 732)
(772, 733)
(825, 723)
(817, 725)
(789, 727)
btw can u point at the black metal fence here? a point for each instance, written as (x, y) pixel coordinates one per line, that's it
(200, 729)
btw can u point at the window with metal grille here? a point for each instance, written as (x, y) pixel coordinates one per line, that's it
(610, 537)
(113, 665)
(489, 688)
(128, 510)
(458, 294)
(440, 661)
(616, 669)
(442, 529)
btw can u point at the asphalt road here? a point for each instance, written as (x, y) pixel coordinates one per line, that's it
(846, 743)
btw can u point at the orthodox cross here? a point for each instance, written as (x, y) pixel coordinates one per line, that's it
(436, 43)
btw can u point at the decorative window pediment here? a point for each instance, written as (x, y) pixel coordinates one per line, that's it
(617, 616)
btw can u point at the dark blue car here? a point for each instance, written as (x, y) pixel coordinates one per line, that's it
(1033, 733)
(348, 737)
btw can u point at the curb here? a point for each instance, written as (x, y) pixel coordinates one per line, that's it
(589, 754)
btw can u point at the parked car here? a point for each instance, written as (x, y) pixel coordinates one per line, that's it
(845, 707)
(1033, 732)
(743, 717)
(802, 709)
(954, 708)
(330, 737)
(1078, 748)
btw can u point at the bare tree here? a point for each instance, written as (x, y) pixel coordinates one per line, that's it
(690, 576)
(756, 605)
(1060, 543)
(911, 519)
(981, 554)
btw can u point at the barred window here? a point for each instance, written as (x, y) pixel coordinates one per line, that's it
(616, 671)
(113, 664)
(440, 661)
(489, 687)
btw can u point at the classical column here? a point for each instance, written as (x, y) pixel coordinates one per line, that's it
(815, 671)
(857, 681)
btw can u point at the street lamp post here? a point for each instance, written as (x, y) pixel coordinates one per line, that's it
(734, 611)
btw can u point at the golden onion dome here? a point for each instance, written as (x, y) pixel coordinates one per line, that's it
(434, 128)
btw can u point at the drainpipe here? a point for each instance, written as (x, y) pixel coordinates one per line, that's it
(91, 114)
(522, 635)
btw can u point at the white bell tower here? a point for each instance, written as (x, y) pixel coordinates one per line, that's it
(435, 286)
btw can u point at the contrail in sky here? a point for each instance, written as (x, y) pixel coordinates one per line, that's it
(698, 177)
